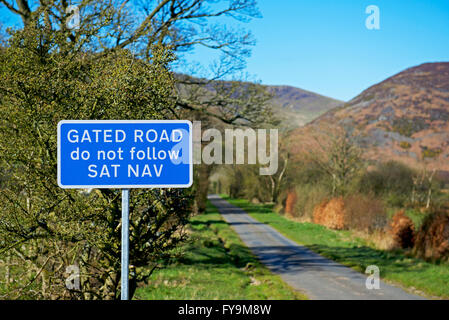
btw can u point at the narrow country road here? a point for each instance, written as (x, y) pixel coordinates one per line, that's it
(302, 269)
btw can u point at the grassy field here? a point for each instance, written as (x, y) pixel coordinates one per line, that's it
(216, 265)
(397, 267)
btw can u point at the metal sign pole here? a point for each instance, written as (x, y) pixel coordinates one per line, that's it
(125, 244)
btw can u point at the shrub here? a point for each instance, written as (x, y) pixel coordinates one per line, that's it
(405, 145)
(432, 240)
(402, 230)
(396, 200)
(364, 213)
(290, 202)
(431, 153)
(330, 214)
(308, 196)
(357, 212)
(391, 180)
(408, 127)
(43, 227)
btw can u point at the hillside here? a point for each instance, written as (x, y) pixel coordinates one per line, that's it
(405, 117)
(297, 106)
(294, 107)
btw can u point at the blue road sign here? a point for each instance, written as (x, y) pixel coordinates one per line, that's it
(125, 154)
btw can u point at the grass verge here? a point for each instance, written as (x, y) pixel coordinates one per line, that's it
(216, 265)
(416, 275)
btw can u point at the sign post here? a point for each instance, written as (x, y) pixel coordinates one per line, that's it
(125, 154)
(125, 244)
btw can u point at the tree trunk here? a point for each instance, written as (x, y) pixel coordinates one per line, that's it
(429, 196)
(7, 270)
(204, 172)
(109, 289)
(132, 287)
(44, 284)
(273, 189)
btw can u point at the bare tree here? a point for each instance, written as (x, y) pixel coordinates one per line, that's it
(278, 179)
(181, 25)
(423, 187)
(336, 155)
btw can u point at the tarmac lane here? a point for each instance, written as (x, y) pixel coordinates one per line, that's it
(306, 271)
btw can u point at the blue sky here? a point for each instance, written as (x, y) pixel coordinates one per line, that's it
(323, 45)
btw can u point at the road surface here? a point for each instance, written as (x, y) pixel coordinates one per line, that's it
(302, 269)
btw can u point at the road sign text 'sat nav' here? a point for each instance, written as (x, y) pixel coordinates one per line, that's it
(125, 154)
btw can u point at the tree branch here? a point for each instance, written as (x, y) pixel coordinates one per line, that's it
(139, 31)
